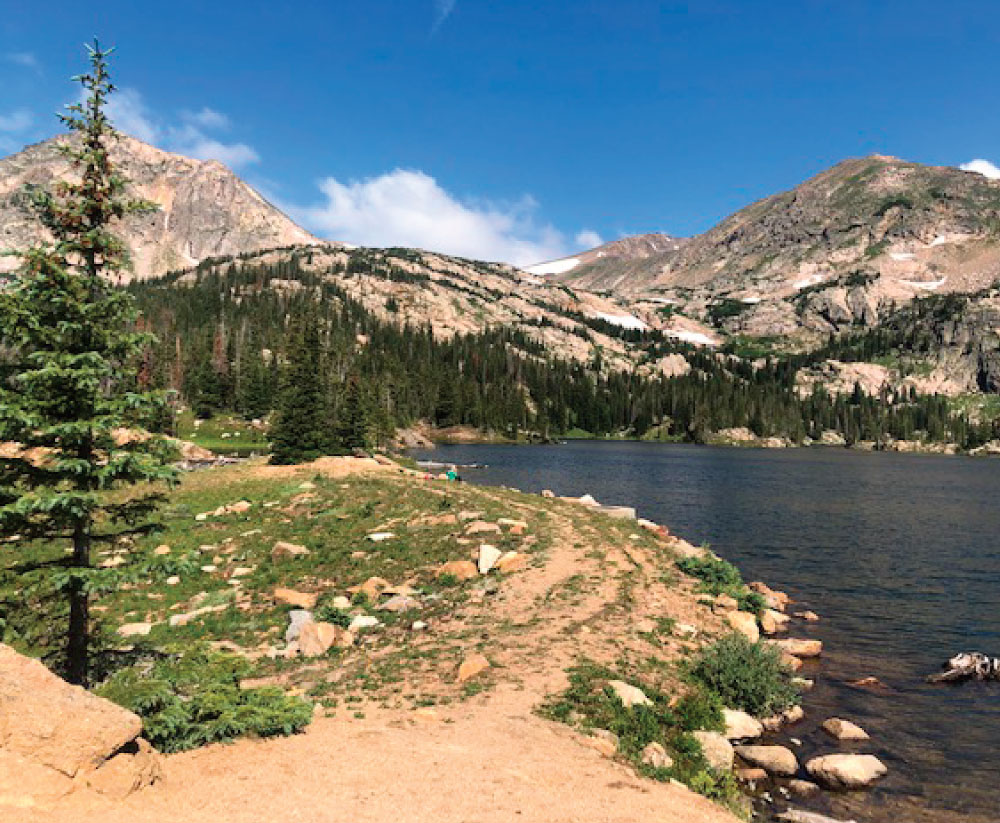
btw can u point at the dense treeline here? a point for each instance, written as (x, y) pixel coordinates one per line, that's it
(258, 339)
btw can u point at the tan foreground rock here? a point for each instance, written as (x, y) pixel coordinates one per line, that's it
(846, 771)
(51, 731)
(316, 639)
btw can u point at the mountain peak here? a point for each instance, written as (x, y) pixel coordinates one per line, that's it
(205, 210)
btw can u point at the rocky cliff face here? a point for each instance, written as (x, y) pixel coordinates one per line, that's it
(204, 209)
(614, 265)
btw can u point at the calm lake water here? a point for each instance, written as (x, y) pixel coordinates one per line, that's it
(899, 554)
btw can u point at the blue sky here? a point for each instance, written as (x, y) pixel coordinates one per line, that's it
(520, 130)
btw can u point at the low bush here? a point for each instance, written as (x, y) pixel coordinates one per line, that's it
(589, 703)
(193, 699)
(720, 577)
(745, 675)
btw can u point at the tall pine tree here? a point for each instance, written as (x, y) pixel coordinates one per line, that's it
(301, 428)
(70, 399)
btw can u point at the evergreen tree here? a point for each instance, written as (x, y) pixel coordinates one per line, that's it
(300, 430)
(352, 418)
(71, 399)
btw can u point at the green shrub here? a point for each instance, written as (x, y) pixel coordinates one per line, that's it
(193, 699)
(720, 577)
(701, 709)
(745, 675)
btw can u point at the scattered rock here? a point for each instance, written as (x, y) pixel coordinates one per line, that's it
(400, 603)
(512, 524)
(793, 714)
(488, 557)
(808, 616)
(799, 816)
(725, 603)
(135, 629)
(548, 493)
(161, 550)
(173, 580)
(341, 602)
(511, 562)
(685, 630)
(482, 527)
(291, 597)
(283, 551)
(307, 486)
(872, 684)
(791, 662)
(316, 639)
(718, 751)
(751, 774)
(209, 568)
(745, 623)
(846, 771)
(243, 571)
(372, 588)
(773, 621)
(844, 729)
(802, 788)
(740, 725)
(803, 683)
(297, 618)
(472, 665)
(418, 625)
(378, 537)
(655, 755)
(187, 617)
(363, 621)
(798, 647)
(460, 569)
(774, 759)
(629, 695)
(773, 599)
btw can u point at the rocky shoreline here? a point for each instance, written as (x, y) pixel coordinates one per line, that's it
(760, 751)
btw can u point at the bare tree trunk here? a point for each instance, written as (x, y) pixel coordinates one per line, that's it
(78, 639)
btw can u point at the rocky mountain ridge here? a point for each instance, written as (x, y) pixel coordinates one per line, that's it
(204, 209)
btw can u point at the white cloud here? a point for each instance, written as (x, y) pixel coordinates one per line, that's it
(207, 118)
(588, 239)
(16, 121)
(191, 137)
(409, 208)
(128, 113)
(983, 167)
(23, 58)
(442, 11)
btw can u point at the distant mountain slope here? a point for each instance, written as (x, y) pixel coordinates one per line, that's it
(205, 209)
(608, 267)
(841, 249)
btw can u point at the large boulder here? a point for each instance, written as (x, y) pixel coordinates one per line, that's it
(51, 732)
(629, 695)
(745, 623)
(741, 726)
(773, 759)
(717, 750)
(846, 771)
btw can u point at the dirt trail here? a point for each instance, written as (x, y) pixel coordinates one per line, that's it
(488, 762)
(487, 758)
